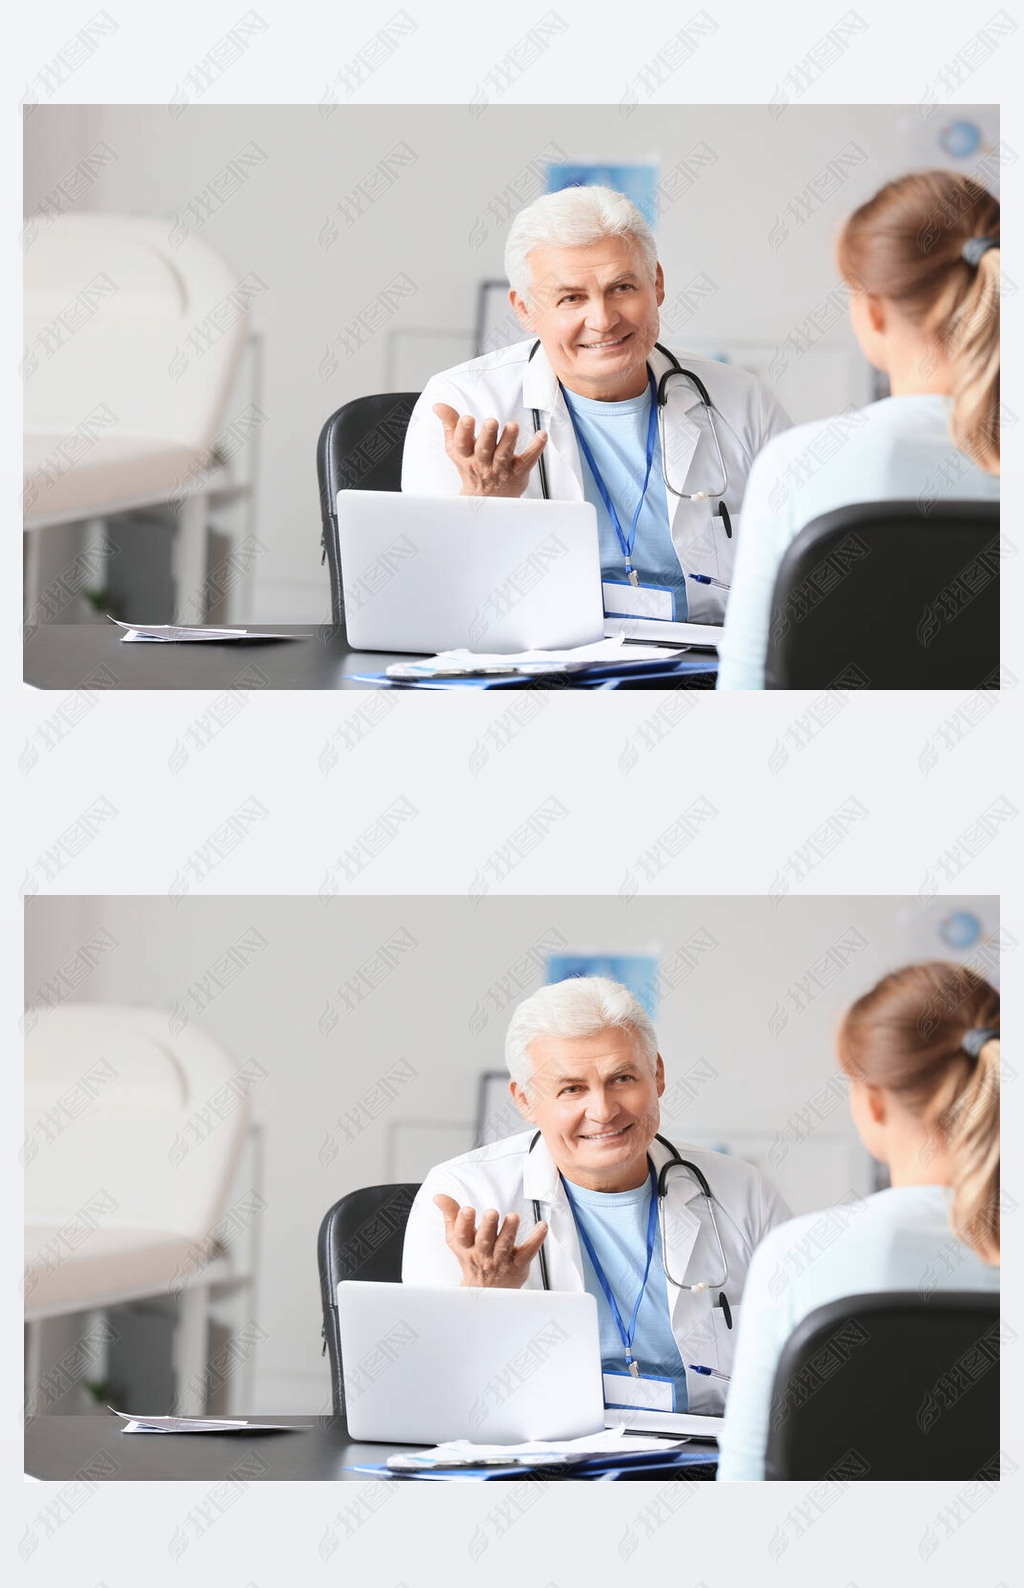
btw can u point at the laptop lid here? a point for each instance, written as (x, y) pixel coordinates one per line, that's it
(494, 1366)
(439, 573)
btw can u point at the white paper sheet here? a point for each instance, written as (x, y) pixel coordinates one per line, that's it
(177, 633)
(196, 1425)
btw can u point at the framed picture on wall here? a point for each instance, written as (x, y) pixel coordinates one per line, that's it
(496, 323)
(496, 1114)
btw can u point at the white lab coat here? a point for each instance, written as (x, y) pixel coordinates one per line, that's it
(507, 1176)
(507, 385)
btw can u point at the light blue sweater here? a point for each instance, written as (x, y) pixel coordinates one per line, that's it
(898, 1239)
(895, 450)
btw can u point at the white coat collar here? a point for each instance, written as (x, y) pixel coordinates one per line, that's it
(540, 386)
(542, 392)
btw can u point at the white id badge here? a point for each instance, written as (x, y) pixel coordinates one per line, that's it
(649, 1394)
(638, 601)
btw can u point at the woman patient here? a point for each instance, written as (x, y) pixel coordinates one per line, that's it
(921, 1053)
(921, 260)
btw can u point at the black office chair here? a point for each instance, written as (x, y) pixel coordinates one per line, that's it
(889, 1385)
(360, 1238)
(360, 448)
(889, 595)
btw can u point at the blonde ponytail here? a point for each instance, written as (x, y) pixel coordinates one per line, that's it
(971, 339)
(972, 1132)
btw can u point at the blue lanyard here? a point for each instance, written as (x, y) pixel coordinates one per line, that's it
(652, 1225)
(652, 435)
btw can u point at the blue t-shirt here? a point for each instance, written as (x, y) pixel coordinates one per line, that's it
(616, 434)
(616, 1222)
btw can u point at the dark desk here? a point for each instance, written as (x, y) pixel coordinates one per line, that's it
(91, 656)
(94, 1448)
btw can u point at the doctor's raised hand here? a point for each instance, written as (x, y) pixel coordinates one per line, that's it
(488, 464)
(489, 1256)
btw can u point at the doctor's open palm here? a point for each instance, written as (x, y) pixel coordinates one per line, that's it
(488, 464)
(489, 1256)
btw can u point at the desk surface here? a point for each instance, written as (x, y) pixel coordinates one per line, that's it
(92, 656)
(63, 1447)
(93, 1447)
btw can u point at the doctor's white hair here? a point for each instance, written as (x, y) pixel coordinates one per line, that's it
(579, 1007)
(574, 218)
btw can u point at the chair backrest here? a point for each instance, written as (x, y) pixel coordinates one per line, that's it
(360, 449)
(889, 595)
(360, 1237)
(890, 1385)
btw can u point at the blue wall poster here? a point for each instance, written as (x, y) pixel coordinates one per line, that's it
(638, 972)
(638, 181)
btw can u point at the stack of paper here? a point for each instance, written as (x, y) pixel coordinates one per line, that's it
(611, 1442)
(466, 664)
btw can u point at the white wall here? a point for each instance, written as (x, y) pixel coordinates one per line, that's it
(442, 1010)
(440, 219)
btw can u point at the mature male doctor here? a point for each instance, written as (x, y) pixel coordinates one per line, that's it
(588, 1190)
(605, 413)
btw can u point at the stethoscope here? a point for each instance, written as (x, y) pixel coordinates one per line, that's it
(675, 1162)
(662, 399)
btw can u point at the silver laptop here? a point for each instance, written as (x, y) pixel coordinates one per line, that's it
(494, 1366)
(486, 574)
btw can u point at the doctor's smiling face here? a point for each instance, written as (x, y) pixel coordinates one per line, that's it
(595, 1101)
(595, 310)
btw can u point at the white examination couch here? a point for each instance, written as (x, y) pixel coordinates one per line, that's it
(132, 1138)
(131, 350)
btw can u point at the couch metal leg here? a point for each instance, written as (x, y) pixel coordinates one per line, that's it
(190, 1351)
(189, 561)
